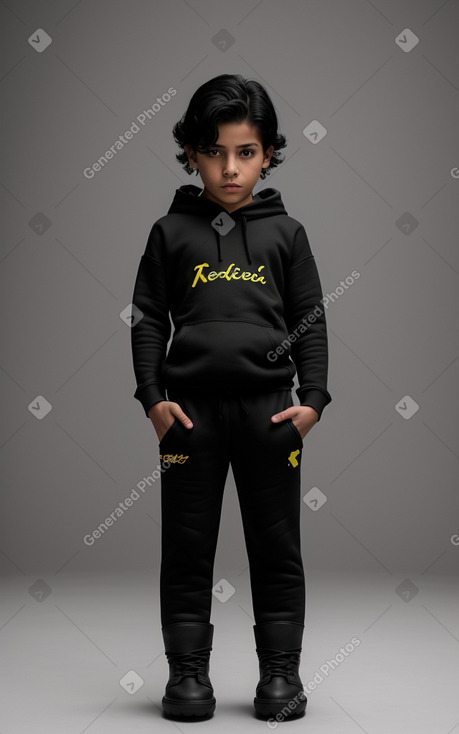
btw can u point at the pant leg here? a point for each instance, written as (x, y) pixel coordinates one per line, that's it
(195, 465)
(266, 462)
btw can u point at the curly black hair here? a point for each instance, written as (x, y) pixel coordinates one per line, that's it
(228, 98)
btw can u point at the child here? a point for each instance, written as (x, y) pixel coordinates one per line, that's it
(238, 278)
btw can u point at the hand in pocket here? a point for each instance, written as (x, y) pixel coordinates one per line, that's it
(163, 415)
(304, 417)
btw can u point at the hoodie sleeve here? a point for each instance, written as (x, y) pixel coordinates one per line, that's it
(305, 319)
(150, 335)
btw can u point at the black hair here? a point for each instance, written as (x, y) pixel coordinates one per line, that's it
(228, 98)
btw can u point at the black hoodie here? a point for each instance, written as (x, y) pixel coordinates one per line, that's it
(239, 288)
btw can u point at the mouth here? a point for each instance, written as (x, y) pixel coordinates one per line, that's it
(231, 187)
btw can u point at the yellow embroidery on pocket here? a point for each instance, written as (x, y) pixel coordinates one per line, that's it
(173, 458)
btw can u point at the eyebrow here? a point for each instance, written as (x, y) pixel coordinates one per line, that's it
(245, 145)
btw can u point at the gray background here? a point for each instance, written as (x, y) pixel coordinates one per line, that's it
(392, 141)
(75, 620)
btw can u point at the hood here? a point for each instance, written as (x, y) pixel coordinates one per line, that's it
(267, 203)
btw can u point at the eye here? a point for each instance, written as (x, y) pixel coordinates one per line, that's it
(209, 152)
(248, 150)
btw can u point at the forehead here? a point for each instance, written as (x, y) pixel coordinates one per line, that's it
(238, 133)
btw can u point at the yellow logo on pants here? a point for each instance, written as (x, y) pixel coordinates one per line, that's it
(173, 458)
(292, 458)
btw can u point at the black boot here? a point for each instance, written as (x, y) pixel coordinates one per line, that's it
(189, 691)
(280, 690)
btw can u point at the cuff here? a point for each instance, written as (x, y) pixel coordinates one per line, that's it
(314, 398)
(149, 395)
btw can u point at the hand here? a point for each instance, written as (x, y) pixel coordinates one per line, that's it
(163, 414)
(304, 417)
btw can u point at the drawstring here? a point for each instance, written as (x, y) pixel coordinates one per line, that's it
(246, 243)
(244, 237)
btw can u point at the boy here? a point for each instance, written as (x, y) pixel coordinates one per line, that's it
(238, 278)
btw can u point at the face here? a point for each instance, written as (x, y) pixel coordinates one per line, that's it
(236, 158)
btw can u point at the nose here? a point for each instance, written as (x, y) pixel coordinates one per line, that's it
(230, 167)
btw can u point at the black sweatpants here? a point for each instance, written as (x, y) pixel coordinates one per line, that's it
(266, 459)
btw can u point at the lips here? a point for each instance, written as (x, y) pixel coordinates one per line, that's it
(231, 186)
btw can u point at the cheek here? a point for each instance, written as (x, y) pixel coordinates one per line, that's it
(212, 168)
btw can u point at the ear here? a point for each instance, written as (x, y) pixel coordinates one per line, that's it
(192, 159)
(267, 156)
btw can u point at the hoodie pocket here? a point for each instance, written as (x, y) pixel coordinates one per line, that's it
(281, 347)
(234, 351)
(174, 354)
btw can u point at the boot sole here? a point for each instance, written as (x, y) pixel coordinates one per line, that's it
(274, 707)
(188, 708)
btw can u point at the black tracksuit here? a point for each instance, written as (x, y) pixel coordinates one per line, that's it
(244, 296)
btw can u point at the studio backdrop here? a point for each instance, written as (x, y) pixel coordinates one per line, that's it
(367, 94)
